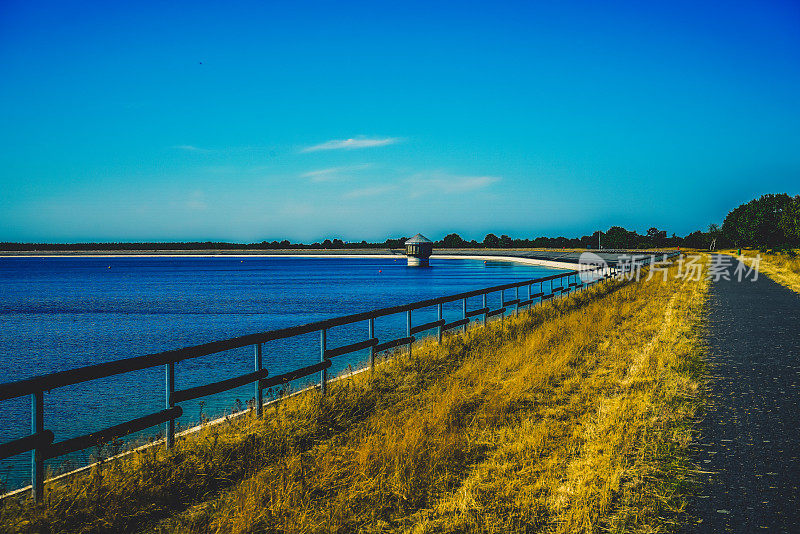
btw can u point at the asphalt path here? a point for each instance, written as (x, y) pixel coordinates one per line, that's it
(749, 443)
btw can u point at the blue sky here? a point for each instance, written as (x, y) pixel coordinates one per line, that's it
(312, 120)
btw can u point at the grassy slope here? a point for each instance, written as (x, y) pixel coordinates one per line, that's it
(573, 418)
(782, 267)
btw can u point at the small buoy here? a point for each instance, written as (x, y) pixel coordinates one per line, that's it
(109, 266)
(380, 270)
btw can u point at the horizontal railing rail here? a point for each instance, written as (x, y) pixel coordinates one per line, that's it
(361, 345)
(41, 441)
(21, 445)
(117, 431)
(395, 343)
(455, 324)
(285, 378)
(479, 311)
(427, 326)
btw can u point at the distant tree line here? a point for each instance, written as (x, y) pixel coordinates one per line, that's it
(615, 237)
(198, 245)
(771, 221)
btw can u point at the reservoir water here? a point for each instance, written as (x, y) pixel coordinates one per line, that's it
(62, 313)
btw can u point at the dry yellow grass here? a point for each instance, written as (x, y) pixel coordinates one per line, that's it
(783, 267)
(572, 418)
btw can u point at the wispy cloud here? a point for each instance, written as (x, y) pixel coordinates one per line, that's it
(332, 173)
(355, 142)
(372, 191)
(189, 148)
(423, 184)
(245, 149)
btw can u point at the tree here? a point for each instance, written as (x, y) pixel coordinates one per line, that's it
(491, 240)
(453, 241)
(790, 221)
(395, 243)
(764, 222)
(657, 237)
(619, 237)
(697, 239)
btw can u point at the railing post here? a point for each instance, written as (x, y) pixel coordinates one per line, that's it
(371, 331)
(170, 390)
(502, 305)
(485, 305)
(516, 306)
(258, 392)
(37, 465)
(323, 375)
(464, 328)
(439, 318)
(530, 292)
(408, 330)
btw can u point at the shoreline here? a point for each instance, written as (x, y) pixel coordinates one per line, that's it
(224, 255)
(525, 261)
(321, 252)
(318, 255)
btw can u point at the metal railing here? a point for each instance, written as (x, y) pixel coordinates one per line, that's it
(41, 442)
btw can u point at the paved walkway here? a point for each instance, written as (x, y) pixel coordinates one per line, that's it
(750, 435)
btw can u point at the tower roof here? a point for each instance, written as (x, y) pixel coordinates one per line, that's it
(419, 238)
